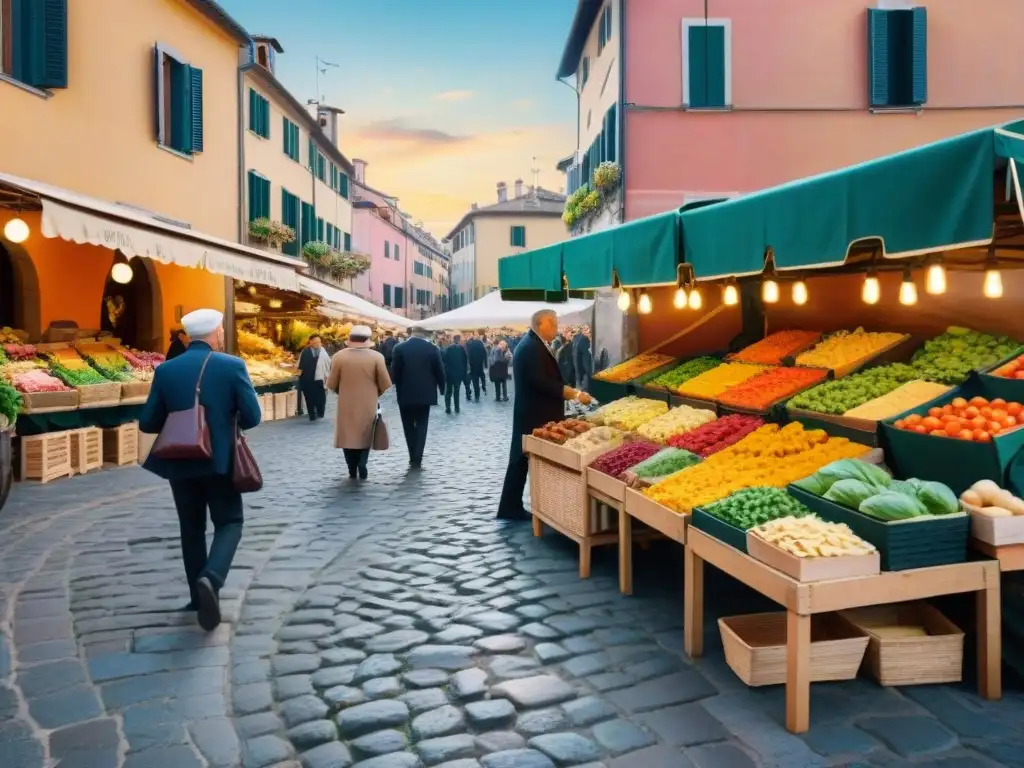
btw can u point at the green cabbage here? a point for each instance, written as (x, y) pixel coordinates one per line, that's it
(852, 469)
(938, 498)
(905, 487)
(850, 493)
(888, 506)
(814, 484)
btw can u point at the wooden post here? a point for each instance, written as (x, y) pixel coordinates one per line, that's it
(625, 552)
(989, 620)
(798, 672)
(693, 604)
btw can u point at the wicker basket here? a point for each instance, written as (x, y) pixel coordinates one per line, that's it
(49, 401)
(99, 395)
(561, 496)
(131, 390)
(46, 457)
(755, 648)
(897, 657)
(86, 449)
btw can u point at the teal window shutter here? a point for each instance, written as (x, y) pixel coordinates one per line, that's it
(387, 295)
(286, 136)
(290, 217)
(251, 178)
(320, 229)
(348, 242)
(697, 57)
(181, 107)
(343, 185)
(878, 57)
(312, 155)
(585, 70)
(253, 111)
(333, 176)
(330, 234)
(518, 236)
(197, 108)
(919, 65)
(40, 42)
(715, 69)
(308, 224)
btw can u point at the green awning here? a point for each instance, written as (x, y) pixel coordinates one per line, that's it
(642, 252)
(540, 269)
(935, 197)
(1010, 142)
(588, 260)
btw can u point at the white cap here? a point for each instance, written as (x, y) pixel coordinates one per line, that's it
(361, 330)
(202, 322)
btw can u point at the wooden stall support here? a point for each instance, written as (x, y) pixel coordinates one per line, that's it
(86, 449)
(291, 403)
(46, 457)
(803, 600)
(121, 444)
(657, 517)
(610, 492)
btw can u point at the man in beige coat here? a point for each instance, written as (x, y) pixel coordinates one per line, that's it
(359, 376)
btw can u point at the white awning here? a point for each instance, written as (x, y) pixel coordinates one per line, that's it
(339, 303)
(82, 219)
(491, 311)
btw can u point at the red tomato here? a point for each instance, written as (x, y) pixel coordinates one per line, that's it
(953, 428)
(935, 432)
(914, 418)
(979, 422)
(931, 423)
(986, 412)
(966, 434)
(971, 411)
(994, 427)
(981, 436)
(1014, 409)
(899, 423)
(998, 402)
(947, 410)
(998, 414)
(959, 402)
(978, 402)
(936, 412)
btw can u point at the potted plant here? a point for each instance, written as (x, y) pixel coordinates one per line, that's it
(272, 233)
(572, 213)
(317, 253)
(607, 176)
(344, 265)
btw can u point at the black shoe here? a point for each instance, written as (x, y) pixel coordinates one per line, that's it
(448, 411)
(209, 605)
(415, 463)
(457, 410)
(188, 607)
(312, 418)
(363, 473)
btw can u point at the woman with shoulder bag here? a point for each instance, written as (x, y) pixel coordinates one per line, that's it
(198, 404)
(500, 361)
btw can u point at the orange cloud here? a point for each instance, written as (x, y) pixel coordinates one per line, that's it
(456, 95)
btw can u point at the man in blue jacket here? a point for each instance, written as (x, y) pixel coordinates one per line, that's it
(418, 375)
(227, 395)
(456, 372)
(477, 354)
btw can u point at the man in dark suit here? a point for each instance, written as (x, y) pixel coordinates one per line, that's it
(314, 367)
(456, 369)
(418, 375)
(387, 348)
(227, 395)
(540, 397)
(477, 354)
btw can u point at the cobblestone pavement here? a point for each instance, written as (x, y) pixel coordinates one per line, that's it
(394, 623)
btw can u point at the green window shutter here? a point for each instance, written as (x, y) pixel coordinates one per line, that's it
(290, 217)
(387, 250)
(40, 39)
(321, 167)
(348, 242)
(518, 236)
(387, 294)
(919, 73)
(307, 224)
(253, 110)
(251, 178)
(716, 66)
(312, 155)
(197, 108)
(181, 107)
(398, 254)
(286, 136)
(265, 198)
(320, 229)
(878, 57)
(343, 186)
(697, 56)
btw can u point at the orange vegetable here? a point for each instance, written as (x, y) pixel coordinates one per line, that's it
(767, 388)
(772, 349)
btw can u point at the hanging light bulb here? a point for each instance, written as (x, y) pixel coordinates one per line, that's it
(769, 291)
(696, 301)
(16, 230)
(252, 290)
(799, 293)
(731, 296)
(643, 306)
(679, 300)
(993, 286)
(935, 279)
(908, 291)
(121, 273)
(872, 290)
(623, 301)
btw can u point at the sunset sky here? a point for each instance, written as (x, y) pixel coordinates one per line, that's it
(443, 98)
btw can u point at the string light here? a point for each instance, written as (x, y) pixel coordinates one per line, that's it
(935, 279)
(696, 301)
(731, 296)
(16, 230)
(623, 300)
(908, 291)
(799, 293)
(679, 300)
(993, 287)
(644, 305)
(769, 291)
(872, 290)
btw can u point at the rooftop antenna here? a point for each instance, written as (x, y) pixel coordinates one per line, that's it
(536, 172)
(321, 69)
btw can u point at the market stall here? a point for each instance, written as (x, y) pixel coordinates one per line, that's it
(491, 311)
(839, 379)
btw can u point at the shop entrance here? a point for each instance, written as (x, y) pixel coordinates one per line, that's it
(131, 311)
(19, 290)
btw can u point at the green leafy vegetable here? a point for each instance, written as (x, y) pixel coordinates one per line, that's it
(850, 493)
(939, 499)
(854, 469)
(888, 506)
(753, 506)
(665, 462)
(10, 403)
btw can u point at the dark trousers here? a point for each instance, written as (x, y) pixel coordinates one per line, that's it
(479, 382)
(356, 458)
(192, 497)
(501, 389)
(511, 504)
(466, 380)
(414, 423)
(451, 389)
(315, 395)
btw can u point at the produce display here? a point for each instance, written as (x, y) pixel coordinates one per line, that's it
(9, 335)
(977, 419)
(262, 372)
(10, 405)
(987, 498)
(764, 390)
(665, 462)
(810, 536)
(842, 395)
(770, 456)
(627, 455)
(717, 435)
(711, 384)
(844, 348)
(901, 399)
(141, 360)
(772, 349)
(628, 413)
(754, 506)
(560, 431)
(37, 380)
(683, 372)
(1011, 370)
(598, 437)
(9, 370)
(632, 368)
(677, 421)
(255, 346)
(68, 366)
(17, 351)
(949, 358)
(106, 360)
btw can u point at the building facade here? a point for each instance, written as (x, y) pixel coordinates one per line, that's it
(697, 99)
(530, 218)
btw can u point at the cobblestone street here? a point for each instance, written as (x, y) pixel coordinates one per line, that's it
(394, 623)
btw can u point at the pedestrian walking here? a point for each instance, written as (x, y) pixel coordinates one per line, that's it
(418, 375)
(540, 398)
(216, 386)
(476, 352)
(456, 372)
(179, 343)
(501, 359)
(359, 376)
(564, 356)
(583, 358)
(387, 347)
(314, 368)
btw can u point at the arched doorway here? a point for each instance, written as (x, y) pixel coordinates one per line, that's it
(132, 311)
(19, 290)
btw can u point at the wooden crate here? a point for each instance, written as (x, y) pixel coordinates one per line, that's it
(281, 405)
(36, 402)
(146, 441)
(266, 407)
(121, 444)
(86, 449)
(812, 568)
(895, 656)
(657, 516)
(46, 457)
(135, 390)
(997, 531)
(99, 395)
(291, 403)
(755, 648)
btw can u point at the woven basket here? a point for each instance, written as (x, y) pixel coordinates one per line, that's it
(39, 401)
(96, 395)
(561, 496)
(893, 659)
(755, 648)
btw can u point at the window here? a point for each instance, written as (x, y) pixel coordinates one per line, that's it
(611, 150)
(519, 237)
(291, 139)
(472, 233)
(417, 268)
(308, 224)
(290, 217)
(320, 230)
(343, 184)
(387, 295)
(333, 175)
(330, 235)
(604, 32)
(317, 162)
(259, 114)
(707, 63)
(397, 253)
(179, 103)
(259, 196)
(897, 57)
(399, 303)
(34, 42)
(347, 242)
(584, 71)
(387, 250)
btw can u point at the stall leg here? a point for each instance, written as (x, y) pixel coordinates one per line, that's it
(625, 553)
(538, 526)
(693, 604)
(592, 510)
(989, 620)
(798, 672)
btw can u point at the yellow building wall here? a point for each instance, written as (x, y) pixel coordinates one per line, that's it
(493, 241)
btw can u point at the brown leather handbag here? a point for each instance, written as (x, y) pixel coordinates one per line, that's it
(245, 474)
(185, 434)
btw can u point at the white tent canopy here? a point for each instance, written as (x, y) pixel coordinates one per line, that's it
(492, 311)
(338, 303)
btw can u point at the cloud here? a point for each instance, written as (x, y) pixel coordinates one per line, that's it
(523, 103)
(397, 130)
(459, 95)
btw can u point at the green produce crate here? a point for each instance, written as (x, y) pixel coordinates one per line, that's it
(705, 405)
(721, 530)
(957, 463)
(903, 544)
(607, 391)
(1008, 389)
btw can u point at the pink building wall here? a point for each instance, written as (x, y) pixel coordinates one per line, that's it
(369, 233)
(799, 93)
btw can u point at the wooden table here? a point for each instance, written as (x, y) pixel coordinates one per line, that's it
(802, 600)
(658, 517)
(1009, 556)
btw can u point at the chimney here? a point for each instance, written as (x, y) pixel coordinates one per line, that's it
(502, 192)
(473, 206)
(360, 167)
(519, 187)
(329, 119)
